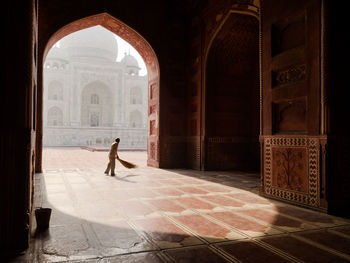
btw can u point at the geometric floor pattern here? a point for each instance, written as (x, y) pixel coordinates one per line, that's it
(157, 215)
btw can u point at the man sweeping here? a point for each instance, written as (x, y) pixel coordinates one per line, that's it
(113, 154)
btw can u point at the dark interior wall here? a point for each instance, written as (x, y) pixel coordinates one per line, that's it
(17, 129)
(163, 24)
(338, 110)
(232, 96)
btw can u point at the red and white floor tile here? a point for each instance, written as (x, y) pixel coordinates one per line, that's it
(156, 215)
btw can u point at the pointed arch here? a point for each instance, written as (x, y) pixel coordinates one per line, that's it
(147, 53)
(252, 13)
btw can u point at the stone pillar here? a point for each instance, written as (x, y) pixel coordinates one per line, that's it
(18, 127)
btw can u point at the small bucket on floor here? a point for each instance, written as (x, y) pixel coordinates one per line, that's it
(42, 216)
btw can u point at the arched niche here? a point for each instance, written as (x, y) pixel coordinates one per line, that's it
(231, 96)
(96, 105)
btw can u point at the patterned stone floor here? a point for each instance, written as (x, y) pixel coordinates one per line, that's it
(156, 215)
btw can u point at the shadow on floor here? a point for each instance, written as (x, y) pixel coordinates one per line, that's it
(249, 229)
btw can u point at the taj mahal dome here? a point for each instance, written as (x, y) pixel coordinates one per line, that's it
(89, 97)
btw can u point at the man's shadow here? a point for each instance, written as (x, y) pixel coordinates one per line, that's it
(125, 178)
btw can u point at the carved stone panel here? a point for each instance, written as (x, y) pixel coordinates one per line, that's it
(193, 152)
(291, 75)
(153, 91)
(291, 169)
(152, 109)
(152, 127)
(152, 150)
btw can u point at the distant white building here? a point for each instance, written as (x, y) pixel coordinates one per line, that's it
(89, 98)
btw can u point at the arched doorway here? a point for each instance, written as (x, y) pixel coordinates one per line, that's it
(96, 102)
(144, 49)
(231, 103)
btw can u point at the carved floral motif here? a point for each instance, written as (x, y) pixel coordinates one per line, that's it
(290, 169)
(291, 75)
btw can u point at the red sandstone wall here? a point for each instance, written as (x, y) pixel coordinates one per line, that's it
(293, 139)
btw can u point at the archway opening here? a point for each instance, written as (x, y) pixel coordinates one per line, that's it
(93, 94)
(232, 96)
(90, 109)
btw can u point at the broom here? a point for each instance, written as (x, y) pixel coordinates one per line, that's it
(126, 164)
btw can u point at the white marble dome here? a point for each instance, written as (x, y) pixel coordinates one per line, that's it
(56, 52)
(130, 61)
(93, 42)
(131, 65)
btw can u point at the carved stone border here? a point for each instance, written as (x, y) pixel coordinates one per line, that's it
(312, 146)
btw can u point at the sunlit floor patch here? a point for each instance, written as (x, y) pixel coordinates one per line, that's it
(171, 215)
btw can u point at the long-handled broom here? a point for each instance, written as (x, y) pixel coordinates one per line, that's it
(126, 164)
